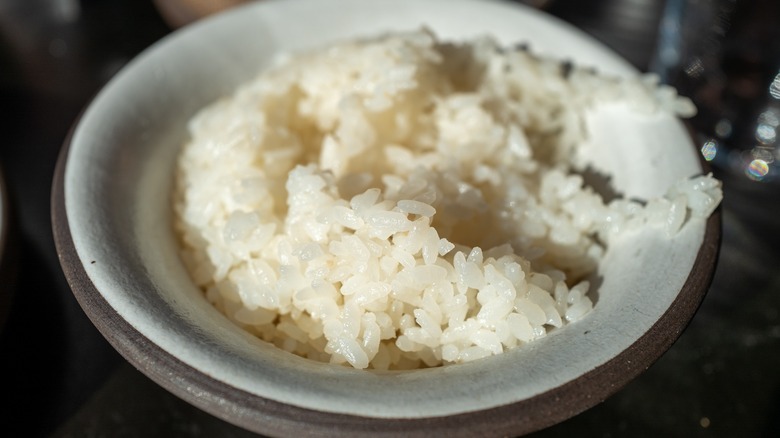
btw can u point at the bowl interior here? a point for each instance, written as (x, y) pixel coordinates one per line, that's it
(119, 175)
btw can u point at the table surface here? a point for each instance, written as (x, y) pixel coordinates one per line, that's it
(721, 378)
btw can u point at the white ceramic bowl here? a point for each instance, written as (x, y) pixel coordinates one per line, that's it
(112, 224)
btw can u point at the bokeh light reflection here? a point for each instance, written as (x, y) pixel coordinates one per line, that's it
(763, 153)
(770, 117)
(709, 150)
(757, 170)
(766, 133)
(723, 128)
(774, 87)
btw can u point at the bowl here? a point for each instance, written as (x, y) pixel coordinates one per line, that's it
(112, 216)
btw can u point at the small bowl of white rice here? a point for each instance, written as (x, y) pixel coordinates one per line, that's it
(396, 218)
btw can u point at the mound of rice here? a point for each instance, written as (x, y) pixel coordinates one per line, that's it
(403, 202)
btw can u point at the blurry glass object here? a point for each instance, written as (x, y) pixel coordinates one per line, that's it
(725, 56)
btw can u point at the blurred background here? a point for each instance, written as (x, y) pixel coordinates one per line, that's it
(60, 378)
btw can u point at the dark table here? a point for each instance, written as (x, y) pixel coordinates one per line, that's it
(61, 378)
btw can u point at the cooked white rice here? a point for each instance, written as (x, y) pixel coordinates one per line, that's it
(401, 202)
